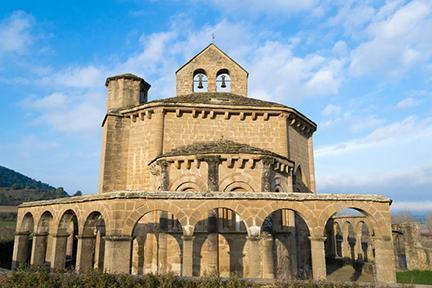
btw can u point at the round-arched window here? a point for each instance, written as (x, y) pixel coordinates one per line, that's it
(223, 81)
(200, 82)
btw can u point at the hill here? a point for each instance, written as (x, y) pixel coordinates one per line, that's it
(16, 188)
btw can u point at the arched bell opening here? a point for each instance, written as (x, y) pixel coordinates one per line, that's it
(200, 81)
(66, 242)
(220, 244)
(43, 241)
(157, 244)
(223, 81)
(92, 243)
(348, 246)
(285, 244)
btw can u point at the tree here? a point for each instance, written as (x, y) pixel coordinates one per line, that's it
(77, 193)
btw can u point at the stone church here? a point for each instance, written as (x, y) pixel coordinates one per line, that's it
(210, 181)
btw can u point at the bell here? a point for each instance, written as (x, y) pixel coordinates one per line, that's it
(223, 85)
(200, 82)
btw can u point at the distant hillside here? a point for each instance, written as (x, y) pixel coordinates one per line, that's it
(16, 188)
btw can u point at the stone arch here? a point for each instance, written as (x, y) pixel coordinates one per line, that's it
(24, 240)
(27, 223)
(220, 239)
(139, 212)
(223, 81)
(373, 217)
(188, 183)
(364, 233)
(238, 186)
(92, 250)
(279, 185)
(66, 243)
(302, 210)
(237, 180)
(200, 81)
(42, 239)
(201, 213)
(156, 244)
(286, 251)
(104, 214)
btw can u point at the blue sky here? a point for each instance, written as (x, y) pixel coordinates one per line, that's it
(362, 70)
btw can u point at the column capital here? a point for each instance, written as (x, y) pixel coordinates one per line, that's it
(317, 238)
(117, 238)
(86, 236)
(40, 234)
(211, 159)
(267, 161)
(22, 233)
(163, 163)
(187, 237)
(253, 238)
(60, 235)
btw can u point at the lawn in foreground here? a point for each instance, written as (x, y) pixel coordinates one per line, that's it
(414, 277)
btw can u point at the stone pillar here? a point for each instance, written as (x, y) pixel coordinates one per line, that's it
(117, 254)
(267, 258)
(156, 147)
(267, 173)
(164, 185)
(290, 187)
(85, 253)
(213, 172)
(358, 250)
(346, 248)
(58, 256)
(369, 252)
(311, 164)
(99, 252)
(384, 260)
(163, 243)
(318, 258)
(39, 249)
(21, 249)
(213, 254)
(254, 256)
(187, 265)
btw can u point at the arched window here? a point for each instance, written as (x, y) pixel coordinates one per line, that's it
(223, 81)
(200, 83)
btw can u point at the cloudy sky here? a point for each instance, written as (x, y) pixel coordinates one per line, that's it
(362, 70)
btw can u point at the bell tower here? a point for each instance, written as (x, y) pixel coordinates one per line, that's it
(211, 70)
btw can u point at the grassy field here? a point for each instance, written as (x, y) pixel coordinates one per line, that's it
(415, 277)
(7, 232)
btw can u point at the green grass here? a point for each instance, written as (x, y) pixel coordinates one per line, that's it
(415, 277)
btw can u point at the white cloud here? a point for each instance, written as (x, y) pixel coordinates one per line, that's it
(408, 102)
(396, 40)
(15, 33)
(69, 113)
(420, 206)
(75, 77)
(403, 183)
(409, 129)
(277, 74)
(331, 109)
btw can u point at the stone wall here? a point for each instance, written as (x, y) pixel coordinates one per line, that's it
(410, 252)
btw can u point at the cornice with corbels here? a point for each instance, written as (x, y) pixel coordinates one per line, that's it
(239, 161)
(294, 119)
